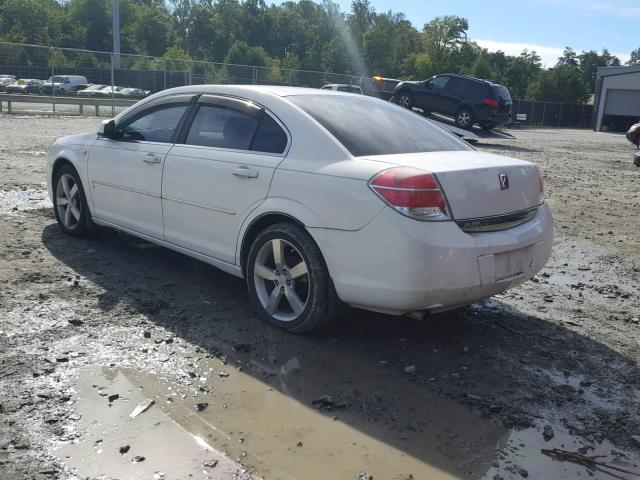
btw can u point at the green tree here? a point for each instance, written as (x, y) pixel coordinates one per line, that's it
(635, 57)
(590, 62)
(561, 83)
(569, 57)
(443, 36)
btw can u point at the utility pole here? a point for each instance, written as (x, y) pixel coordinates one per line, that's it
(116, 34)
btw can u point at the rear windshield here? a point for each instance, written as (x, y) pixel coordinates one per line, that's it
(501, 92)
(368, 126)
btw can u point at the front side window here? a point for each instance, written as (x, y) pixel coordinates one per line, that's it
(157, 126)
(440, 82)
(369, 126)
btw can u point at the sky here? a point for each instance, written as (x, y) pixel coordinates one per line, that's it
(546, 26)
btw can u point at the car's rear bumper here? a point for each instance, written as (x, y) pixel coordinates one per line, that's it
(493, 118)
(398, 265)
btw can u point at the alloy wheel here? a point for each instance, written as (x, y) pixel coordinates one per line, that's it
(404, 101)
(68, 201)
(464, 118)
(281, 278)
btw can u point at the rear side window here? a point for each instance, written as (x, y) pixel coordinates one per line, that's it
(501, 92)
(369, 126)
(269, 137)
(222, 128)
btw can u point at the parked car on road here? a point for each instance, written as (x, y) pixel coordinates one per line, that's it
(91, 90)
(275, 185)
(343, 87)
(61, 84)
(132, 93)
(25, 86)
(106, 92)
(468, 100)
(4, 82)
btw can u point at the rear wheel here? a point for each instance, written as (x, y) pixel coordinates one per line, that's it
(465, 118)
(405, 99)
(70, 203)
(288, 281)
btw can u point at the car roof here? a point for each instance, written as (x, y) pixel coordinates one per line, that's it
(469, 77)
(280, 91)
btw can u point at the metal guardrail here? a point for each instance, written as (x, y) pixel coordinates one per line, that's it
(53, 100)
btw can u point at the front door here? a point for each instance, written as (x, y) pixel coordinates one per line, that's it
(433, 100)
(219, 172)
(125, 175)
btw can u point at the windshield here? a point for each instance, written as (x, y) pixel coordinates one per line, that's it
(368, 126)
(56, 79)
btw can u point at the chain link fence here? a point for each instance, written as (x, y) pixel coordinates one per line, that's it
(153, 74)
(148, 73)
(552, 114)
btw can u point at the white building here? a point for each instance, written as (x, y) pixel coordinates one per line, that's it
(617, 96)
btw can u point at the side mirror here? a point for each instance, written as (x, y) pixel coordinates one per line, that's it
(108, 130)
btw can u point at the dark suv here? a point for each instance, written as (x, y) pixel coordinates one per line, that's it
(468, 100)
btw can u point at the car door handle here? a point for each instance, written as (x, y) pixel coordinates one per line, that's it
(152, 158)
(245, 172)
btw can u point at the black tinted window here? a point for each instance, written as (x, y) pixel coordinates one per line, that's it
(269, 137)
(368, 126)
(501, 92)
(222, 128)
(349, 88)
(440, 82)
(156, 126)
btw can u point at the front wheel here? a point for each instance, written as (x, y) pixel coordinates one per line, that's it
(288, 281)
(405, 100)
(70, 203)
(465, 118)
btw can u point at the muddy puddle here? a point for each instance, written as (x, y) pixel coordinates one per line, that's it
(13, 201)
(265, 422)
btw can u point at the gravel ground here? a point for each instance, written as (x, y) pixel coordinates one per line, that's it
(475, 394)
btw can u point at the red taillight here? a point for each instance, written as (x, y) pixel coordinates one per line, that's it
(491, 102)
(413, 192)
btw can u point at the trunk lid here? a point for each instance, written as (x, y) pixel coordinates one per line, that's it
(473, 182)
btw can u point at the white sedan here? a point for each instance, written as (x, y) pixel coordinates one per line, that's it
(314, 197)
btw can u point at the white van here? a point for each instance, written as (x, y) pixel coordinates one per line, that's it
(343, 87)
(63, 83)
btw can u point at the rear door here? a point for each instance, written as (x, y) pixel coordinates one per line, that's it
(126, 174)
(219, 171)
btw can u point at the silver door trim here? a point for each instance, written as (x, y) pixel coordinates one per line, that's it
(200, 205)
(126, 189)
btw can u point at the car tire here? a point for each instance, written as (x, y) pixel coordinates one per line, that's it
(70, 203)
(465, 118)
(405, 99)
(294, 292)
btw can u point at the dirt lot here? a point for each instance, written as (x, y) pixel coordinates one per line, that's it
(91, 328)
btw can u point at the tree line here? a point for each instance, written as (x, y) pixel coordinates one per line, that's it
(303, 34)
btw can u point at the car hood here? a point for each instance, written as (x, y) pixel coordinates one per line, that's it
(84, 139)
